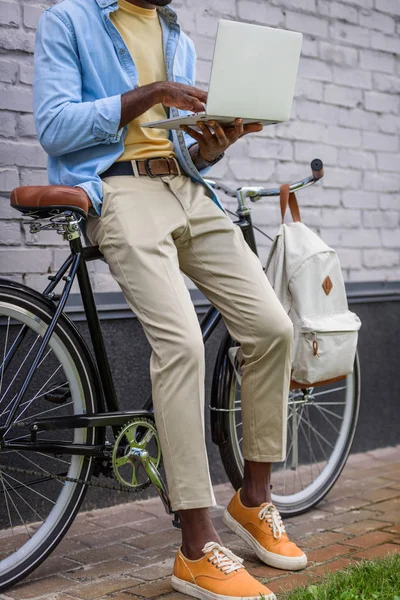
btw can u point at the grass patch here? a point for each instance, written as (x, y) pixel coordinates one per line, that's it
(367, 580)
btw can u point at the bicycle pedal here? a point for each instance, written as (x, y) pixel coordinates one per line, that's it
(60, 395)
(176, 521)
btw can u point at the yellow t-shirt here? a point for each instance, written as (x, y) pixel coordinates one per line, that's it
(142, 33)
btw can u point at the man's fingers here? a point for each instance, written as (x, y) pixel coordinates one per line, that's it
(205, 130)
(219, 133)
(196, 135)
(253, 128)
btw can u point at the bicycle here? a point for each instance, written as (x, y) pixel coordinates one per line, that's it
(71, 394)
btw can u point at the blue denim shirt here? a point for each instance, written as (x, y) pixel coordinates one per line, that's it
(82, 66)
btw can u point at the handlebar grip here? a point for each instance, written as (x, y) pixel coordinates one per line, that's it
(317, 168)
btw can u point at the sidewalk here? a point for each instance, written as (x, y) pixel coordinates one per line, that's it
(126, 552)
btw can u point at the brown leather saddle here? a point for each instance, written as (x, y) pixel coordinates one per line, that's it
(49, 200)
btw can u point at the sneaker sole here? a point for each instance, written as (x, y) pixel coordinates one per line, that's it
(271, 559)
(195, 591)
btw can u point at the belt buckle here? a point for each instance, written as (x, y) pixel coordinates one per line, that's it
(148, 168)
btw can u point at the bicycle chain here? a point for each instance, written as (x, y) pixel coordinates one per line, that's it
(73, 479)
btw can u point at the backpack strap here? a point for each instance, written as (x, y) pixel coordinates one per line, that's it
(288, 198)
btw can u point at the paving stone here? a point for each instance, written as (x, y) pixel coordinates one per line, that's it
(369, 539)
(155, 588)
(393, 528)
(99, 588)
(381, 494)
(378, 551)
(156, 571)
(285, 584)
(95, 555)
(323, 539)
(361, 527)
(107, 536)
(325, 554)
(42, 587)
(158, 539)
(329, 567)
(346, 504)
(55, 565)
(98, 570)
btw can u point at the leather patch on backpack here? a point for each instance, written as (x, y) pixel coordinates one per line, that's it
(327, 285)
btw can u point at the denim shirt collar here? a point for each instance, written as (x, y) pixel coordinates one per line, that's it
(165, 11)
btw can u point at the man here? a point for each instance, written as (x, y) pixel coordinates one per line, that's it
(103, 67)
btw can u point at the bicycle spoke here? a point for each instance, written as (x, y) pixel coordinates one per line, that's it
(15, 376)
(5, 497)
(22, 498)
(37, 394)
(21, 483)
(327, 411)
(324, 392)
(35, 464)
(327, 420)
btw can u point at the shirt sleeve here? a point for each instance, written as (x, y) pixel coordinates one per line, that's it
(64, 123)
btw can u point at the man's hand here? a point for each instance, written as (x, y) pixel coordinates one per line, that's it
(213, 143)
(171, 94)
(181, 96)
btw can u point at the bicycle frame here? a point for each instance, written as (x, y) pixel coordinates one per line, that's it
(76, 266)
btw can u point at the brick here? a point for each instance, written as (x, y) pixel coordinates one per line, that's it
(338, 11)
(387, 43)
(317, 112)
(377, 61)
(26, 126)
(10, 234)
(375, 20)
(9, 14)
(377, 218)
(356, 36)
(332, 217)
(386, 83)
(343, 96)
(36, 177)
(8, 71)
(26, 74)
(381, 258)
(379, 102)
(261, 148)
(303, 151)
(325, 554)
(18, 100)
(380, 141)
(378, 552)
(388, 161)
(355, 118)
(389, 201)
(389, 6)
(158, 539)
(352, 77)
(361, 3)
(6, 212)
(31, 15)
(331, 567)
(310, 90)
(393, 528)
(307, 24)
(341, 55)
(8, 124)
(349, 258)
(155, 588)
(22, 260)
(99, 570)
(352, 238)
(290, 582)
(23, 154)
(386, 182)
(373, 538)
(261, 12)
(17, 39)
(107, 536)
(360, 527)
(43, 587)
(9, 179)
(342, 178)
(312, 68)
(99, 588)
(321, 540)
(341, 136)
(360, 199)
(356, 159)
(302, 5)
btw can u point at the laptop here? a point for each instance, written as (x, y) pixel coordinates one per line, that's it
(253, 76)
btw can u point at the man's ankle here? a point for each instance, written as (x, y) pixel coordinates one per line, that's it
(251, 498)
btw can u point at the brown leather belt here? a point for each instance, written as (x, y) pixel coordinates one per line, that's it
(152, 167)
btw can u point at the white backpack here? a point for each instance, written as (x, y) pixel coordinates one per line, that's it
(306, 276)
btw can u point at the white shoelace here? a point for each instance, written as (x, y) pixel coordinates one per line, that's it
(270, 514)
(223, 558)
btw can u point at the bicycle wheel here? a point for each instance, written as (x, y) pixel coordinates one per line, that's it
(321, 425)
(37, 509)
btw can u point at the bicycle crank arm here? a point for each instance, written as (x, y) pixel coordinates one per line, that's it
(142, 456)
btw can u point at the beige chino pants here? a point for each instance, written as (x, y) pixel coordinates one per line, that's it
(149, 231)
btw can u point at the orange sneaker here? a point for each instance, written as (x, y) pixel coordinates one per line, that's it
(263, 530)
(218, 575)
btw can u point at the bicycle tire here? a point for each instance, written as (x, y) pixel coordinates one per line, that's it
(231, 455)
(37, 313)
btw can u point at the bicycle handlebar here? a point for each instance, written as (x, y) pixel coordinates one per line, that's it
(256, 193)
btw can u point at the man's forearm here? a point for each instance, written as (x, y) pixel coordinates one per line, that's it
(200, 162)
(138, 101)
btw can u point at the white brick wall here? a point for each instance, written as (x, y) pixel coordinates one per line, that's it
(346, 111)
